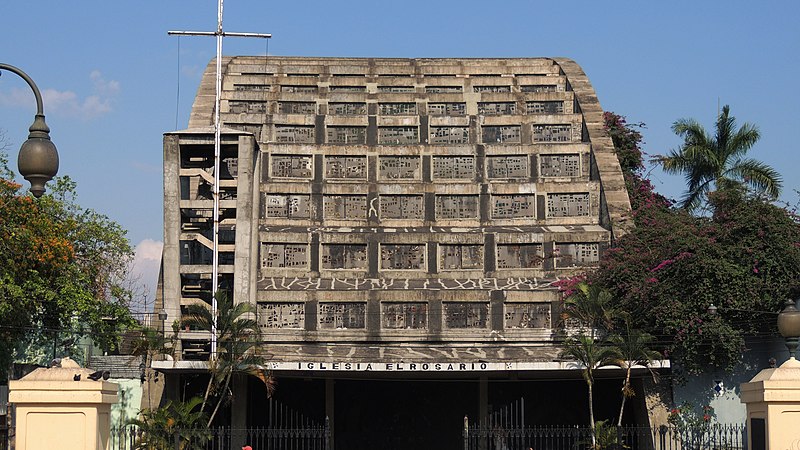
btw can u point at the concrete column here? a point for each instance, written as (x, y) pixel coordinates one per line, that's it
(773, 407)
(245, 261)
(170, 281)
(62, 408)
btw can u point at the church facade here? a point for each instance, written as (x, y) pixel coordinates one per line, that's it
(401, 225)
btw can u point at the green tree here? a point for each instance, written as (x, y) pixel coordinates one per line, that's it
(719, 160)
(632, 348)
(63, 272)
(590, 354)
(666, 271)
(238, 340)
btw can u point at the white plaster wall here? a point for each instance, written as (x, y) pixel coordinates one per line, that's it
(130, 399)
(699, 390)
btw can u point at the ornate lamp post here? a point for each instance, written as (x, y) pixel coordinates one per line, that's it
(38, 157)
(789, 327)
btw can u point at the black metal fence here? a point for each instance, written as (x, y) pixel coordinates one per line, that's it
(306, 436)
(488, 436)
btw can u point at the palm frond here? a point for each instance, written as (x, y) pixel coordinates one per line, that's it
(724, 127)
(633, 348)
(759, 176)
(691, 131)
(589, 353)
(698, 189)
(197, 315)
(742, 141)
(592, 305)
(708, 161)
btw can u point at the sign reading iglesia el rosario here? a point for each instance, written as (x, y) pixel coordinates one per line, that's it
(400, 366)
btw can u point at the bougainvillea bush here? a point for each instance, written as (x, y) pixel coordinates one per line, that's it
(743, 257)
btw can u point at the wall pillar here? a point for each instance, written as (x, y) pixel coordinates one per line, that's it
(773, 407)
(62, 408)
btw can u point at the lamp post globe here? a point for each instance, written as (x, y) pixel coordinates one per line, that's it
(789, 326)
(38, 157)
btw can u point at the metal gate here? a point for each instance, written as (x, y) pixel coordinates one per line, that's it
(286, 429)
(500, 430)
(505, 429)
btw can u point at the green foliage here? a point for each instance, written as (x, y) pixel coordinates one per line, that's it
(160, 427)
(591, 354)
(632, 348)
(743, 257)
(626, 138)
(591, 306)
(607, 437)
(627, 145)
(719, 161)
(61, 268)
(238, 340)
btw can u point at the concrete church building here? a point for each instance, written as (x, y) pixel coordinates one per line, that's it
(400, 225)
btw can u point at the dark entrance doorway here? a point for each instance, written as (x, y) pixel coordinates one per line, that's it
(402, 414)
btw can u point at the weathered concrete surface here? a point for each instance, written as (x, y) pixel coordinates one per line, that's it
(386, 202)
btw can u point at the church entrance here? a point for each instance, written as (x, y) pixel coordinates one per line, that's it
(402, 414)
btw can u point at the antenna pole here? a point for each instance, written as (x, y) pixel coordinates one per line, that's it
(219, 34)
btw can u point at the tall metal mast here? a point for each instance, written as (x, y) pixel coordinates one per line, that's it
(219, 34)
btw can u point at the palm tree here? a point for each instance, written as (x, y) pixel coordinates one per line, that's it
(718, 161)
(591, 306)
(591, 354)
(238, 339)
(632, 349)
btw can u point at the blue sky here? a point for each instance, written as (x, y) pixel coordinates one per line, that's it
(115, 81)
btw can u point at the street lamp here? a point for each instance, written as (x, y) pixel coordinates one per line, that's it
(38, 157)
(789, 326)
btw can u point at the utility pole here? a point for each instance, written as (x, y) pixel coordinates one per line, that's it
(219, 34)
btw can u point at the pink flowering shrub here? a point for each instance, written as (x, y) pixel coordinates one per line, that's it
(672, 266)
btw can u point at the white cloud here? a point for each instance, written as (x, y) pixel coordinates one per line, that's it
(67, 102)
(146, 263)
(102, 86)
(18, 98)
(149, 250)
